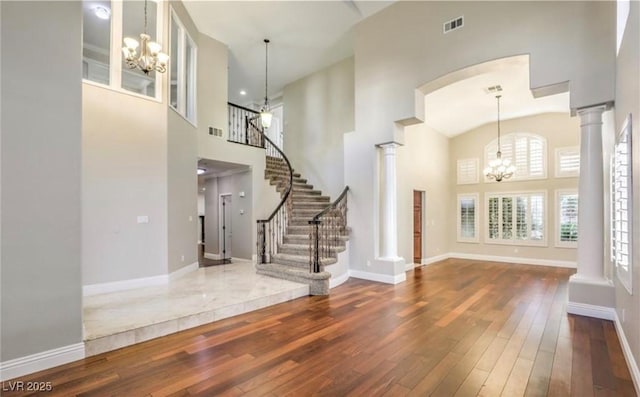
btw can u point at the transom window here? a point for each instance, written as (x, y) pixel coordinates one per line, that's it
(527, 152)
(516, 218)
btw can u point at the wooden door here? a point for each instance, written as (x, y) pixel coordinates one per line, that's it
(417, 227)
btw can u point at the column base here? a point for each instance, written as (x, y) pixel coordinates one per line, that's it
(384, 270)
(591, 297)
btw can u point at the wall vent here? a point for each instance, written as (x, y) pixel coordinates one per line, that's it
(494, 89)
(453, 24)
(215, 131)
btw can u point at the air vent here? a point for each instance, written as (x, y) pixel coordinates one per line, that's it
(453, 24)
(494, 89)
(215, 131)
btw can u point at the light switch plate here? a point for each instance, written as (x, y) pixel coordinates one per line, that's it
(143, 219)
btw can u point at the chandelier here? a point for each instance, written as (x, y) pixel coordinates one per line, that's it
(150, 58)
(265, 114)
(499, 168)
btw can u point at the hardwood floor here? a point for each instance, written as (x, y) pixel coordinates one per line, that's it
(456, 328)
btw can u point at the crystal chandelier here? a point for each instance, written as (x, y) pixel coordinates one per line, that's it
(150, 58)
(265, 113)
(499, 168)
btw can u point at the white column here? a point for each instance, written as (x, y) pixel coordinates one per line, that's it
(590, 293)
(389, 216)
(591, 196)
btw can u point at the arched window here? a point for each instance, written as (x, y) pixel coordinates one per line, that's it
(527, 152)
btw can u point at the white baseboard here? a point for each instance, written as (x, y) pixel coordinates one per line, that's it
(583, 309)
(513, 259)
(184, 270)
(212, 256)
(381, 278)
(41, 361)
(628, 355)
(335, 281)
(409, 266)
(254, 258)
(434, 259)
(103, 288)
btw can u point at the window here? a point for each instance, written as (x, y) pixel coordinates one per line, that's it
(468, 218)
(621, 205)
(527, 152)
(467, 171)
(516, 218)
(105, 25)
(183, 70)
(96, 41)
(567, 162)
(566, 218)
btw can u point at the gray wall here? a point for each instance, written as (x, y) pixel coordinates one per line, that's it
(628, 101)
(318, 111)
(182, 181)
(242, 225)
(41, 133)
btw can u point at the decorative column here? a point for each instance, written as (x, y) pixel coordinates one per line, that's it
(590, 293)
(390, 210)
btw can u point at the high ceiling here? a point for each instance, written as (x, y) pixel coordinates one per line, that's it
(466, 104)
(305, 37)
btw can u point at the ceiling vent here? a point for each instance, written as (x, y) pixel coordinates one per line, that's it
(494, 89)
(453, 24)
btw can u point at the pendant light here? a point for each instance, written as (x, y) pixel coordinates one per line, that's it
(265, 113)
(499, 168)
(150, 58)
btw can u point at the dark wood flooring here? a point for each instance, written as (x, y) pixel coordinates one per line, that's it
(455, 328)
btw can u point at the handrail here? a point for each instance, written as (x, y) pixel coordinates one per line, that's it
(271, 231)
(286, 194)
(332, 205)
(243, 108)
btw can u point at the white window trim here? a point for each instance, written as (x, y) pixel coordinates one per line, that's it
(476, 198)
(115, 56)
(528, 243)
(514, 178)
(624, 276)
(477, 167)
(558, 242)
(183, 38)
(564, 174)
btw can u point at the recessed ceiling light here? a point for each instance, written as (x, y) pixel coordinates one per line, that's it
(102, 12)
(243, 92)
(201, 171)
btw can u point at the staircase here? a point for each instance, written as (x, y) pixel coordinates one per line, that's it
(293, 257)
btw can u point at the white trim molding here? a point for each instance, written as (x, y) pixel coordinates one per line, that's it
(381, 278)
(212, 256)
(514, 259)
(628, 354)
(40, 361)
(434, 259)
(584, 309)
(122, 285)
(184, 270)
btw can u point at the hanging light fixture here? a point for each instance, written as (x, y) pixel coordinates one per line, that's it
(499, 168)
(265, 113)
(151, 58)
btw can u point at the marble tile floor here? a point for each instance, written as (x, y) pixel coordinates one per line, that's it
(120, 319)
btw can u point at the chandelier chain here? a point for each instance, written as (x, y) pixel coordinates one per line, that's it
(266, 70)
(498, 99)
(145, 16)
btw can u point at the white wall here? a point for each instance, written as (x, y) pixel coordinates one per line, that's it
(401, 48)
(41, 133)
(242, 224)
(628, 101)
(318, 111)
(559, 130)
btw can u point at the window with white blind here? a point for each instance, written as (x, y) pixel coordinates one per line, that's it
(467, 171)
(516, 218)
(566, 218)
(527, 152)
(468, 218)
(621, 218)
(567, 162)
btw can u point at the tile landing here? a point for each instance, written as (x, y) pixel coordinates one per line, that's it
(124, 318)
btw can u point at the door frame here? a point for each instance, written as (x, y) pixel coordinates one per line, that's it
(423, 225)
(221, 218)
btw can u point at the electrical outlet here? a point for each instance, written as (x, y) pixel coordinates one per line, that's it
(182, 258)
